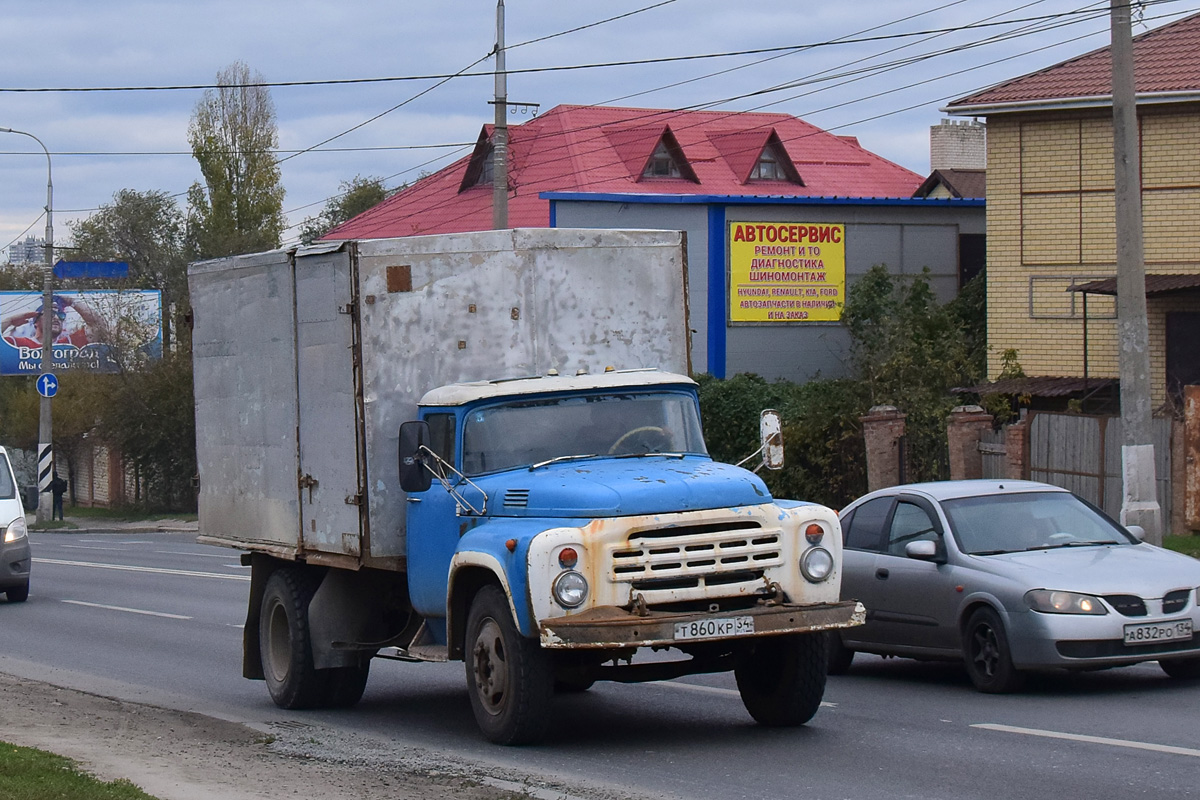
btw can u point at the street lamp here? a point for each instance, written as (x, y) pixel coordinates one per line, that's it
(45, 460)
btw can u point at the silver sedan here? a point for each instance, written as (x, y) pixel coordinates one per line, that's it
(1010, 576)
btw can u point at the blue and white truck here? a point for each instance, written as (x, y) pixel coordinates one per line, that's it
(484, 447)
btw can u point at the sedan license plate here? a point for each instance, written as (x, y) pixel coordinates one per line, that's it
(1157, 632)
(714, 628)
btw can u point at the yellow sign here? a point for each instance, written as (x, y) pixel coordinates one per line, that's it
(786, 271)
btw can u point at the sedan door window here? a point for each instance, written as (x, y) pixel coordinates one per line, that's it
(865, 531)
(910, 523)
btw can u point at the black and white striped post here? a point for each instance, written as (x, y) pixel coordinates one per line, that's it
(45, 423)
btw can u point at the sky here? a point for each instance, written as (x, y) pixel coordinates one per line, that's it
(876, 69)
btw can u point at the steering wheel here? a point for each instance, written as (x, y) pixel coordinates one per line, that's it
(643, 429)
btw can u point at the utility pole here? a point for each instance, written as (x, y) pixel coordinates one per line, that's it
(500, 131)
(45, 454)
(1140, 502)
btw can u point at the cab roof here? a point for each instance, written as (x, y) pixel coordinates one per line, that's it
(457, 394)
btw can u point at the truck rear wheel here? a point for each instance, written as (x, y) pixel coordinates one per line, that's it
(344, 686)
(283, 641)
(782, 679)
(509, 678)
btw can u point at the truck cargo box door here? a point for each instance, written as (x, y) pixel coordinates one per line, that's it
(329, 461)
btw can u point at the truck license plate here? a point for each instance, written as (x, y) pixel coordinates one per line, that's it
(714, 628)
(1153, 632)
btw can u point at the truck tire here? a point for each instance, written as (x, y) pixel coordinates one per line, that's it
(18, 594)
(283, 641)
(344, 686)
(782, 679)
(509, 678)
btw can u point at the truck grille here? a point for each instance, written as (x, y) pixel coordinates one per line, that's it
(687, 557)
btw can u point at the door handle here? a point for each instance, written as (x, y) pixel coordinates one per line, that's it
(882, 573)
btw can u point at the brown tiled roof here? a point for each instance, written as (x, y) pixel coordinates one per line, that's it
(970, 183)
(1155, 284)
(1041, 386)
(1166, 60)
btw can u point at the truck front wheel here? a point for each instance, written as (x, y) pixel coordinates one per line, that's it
(283, 640)
(782, 678)
(509, 678)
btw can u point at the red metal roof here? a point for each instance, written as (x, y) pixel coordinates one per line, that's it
(606, 149)
(1166, 60)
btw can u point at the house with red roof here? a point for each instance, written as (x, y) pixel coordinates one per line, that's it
(819, 209)
(1051, 225)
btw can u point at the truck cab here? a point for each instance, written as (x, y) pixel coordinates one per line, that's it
(588, 511)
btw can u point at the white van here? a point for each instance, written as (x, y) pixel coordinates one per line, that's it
(14, 537)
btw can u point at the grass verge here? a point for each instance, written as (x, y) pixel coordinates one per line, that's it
(28, 774)
(1186, 544)
(97, 512)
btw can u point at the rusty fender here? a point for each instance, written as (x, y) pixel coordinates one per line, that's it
(611, 627)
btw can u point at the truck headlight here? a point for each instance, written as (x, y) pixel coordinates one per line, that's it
(816, 564)
(570, 589)
(15, 530)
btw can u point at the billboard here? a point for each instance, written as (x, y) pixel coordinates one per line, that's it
(93, 330)
(786, 271)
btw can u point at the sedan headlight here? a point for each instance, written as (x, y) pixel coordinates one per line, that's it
(1049, 601)
(15, 530)
(570, 589)
(816, 564)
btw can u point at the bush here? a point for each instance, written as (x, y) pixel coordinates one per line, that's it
(908, 351)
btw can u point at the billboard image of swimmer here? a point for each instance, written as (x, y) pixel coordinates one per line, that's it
(91, 329)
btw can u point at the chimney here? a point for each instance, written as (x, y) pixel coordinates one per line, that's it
(958, 144)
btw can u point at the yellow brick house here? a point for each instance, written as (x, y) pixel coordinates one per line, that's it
(1051, 226)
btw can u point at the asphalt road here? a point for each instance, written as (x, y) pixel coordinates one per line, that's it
(157, 618)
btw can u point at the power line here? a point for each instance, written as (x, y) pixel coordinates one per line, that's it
(558, 68)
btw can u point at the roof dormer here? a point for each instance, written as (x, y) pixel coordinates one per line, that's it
(479, 168)
(651, 153)
(757, 156)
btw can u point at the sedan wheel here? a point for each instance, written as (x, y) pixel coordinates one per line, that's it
(987, 654)
(1183, 669)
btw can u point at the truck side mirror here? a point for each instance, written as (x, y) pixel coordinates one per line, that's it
(414, 476)
(770, 429)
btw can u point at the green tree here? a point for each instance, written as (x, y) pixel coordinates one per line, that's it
(145, 229)
(354, 197)
(233, 134)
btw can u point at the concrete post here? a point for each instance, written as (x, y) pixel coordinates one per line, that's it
(883, 433)
(963, 433)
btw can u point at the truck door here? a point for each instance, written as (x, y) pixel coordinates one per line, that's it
(433, 529)
(328, 479)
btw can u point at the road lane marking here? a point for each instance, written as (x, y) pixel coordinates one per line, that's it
(128, 610)
(696, 687)
(130, 568)
(1078, 737)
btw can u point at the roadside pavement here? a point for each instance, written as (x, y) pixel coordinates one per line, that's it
(77, 524)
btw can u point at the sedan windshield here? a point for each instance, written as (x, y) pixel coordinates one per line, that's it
(527, 432)
(1010, 523)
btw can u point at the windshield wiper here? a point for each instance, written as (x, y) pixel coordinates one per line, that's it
(1076, 543)
(646, 455)
(560, 459)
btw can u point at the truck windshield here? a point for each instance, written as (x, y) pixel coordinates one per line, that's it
(521, 433)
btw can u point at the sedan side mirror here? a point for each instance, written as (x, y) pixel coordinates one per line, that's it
(1138, 532)
(923, 550)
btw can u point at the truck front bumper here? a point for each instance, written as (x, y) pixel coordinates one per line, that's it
(612, 627)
